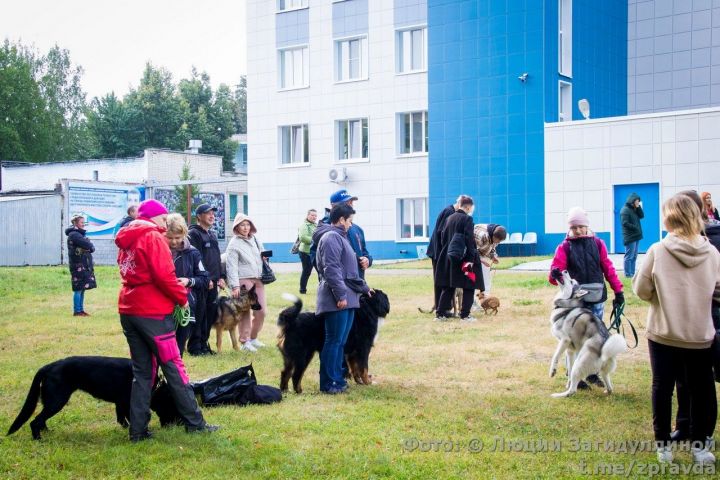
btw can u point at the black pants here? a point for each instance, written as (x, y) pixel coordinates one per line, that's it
(446, 299)
(307, 269)
(150, 339)
(694, 366)
(205, 316)
(436, 290)
(182, 334)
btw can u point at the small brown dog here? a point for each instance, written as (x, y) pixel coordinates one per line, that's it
(488, 303)
(230, 312)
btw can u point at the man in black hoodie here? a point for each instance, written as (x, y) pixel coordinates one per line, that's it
(203, 238)
(630, 215)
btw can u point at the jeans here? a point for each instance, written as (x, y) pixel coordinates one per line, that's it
(332, 356)
(306, 271)
(598, 309)
(78, 299)
(631, 252)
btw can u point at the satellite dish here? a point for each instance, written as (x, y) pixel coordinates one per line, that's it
(337, 175)
(584, 107)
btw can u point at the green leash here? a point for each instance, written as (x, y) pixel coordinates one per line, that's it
(181, 316)
(616, 323)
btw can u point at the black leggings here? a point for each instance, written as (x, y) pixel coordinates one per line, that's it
(695, 366)
(446, 300)
(306, 271)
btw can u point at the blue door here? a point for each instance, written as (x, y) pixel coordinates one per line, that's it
(650, 196)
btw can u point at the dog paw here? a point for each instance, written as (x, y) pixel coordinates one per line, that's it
(553, 371)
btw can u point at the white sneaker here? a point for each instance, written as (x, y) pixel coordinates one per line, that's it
(441, 318)
(468, 319)
(248, 347)
(256, 343)
(664, 455)
(702, 456)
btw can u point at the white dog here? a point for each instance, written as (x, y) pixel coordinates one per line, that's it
(590, 347)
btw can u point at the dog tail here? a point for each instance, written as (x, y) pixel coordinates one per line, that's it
(613, 346)
(30, 402)
(289, 315)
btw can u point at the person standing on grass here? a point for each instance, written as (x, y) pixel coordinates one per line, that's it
(487, 238)
(585, 257)
(458, 264)
(204, 239)
(147, 297)
(189, 270)
(630, 215)
(338, 294)
(434, 244)
(80, 262)
(244, 265)
(680, 277)
(305, 233)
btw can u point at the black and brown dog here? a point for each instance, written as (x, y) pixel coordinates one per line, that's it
(105, 378)
(303, 334)
(229, 313)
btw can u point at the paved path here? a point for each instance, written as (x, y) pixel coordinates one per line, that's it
(544, 265)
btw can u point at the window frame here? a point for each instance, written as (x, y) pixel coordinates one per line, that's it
(399, 50)
(306, 145)
(399, 125)
(364, 58)
(292, 9)
(306, 63)
(365, 130)
(565, 37)
(562, 114)
(399, 204)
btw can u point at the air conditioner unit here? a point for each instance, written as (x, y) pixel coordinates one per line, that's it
(337, 175)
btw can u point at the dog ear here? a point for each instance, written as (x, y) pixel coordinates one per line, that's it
(243, 288)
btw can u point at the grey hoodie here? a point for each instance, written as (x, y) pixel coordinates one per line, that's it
(680, 278)
(242, 259)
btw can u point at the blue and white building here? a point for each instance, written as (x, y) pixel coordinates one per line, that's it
(408, 103)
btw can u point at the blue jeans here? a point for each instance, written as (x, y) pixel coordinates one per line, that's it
(631, 252)
(598, 309)
(332, 356)
(78, 299)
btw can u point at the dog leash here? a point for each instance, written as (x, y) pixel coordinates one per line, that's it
(181, 316)
(616, 323)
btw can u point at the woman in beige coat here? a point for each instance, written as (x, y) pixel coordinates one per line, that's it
(244, 268)
(680, 277)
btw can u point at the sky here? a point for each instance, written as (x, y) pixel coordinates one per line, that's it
(112, 40)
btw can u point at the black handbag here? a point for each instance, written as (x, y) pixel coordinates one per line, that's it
(268, 276)
(259, 395)
(227, 388)
(456, 247)
(296, 247)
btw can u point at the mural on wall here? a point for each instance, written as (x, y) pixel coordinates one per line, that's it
(103, 205)
(171, 200)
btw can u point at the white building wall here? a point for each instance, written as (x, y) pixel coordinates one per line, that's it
(280, 196)
(585, 159)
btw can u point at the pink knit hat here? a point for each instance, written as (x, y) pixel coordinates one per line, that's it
(151, 208)
(577, 217)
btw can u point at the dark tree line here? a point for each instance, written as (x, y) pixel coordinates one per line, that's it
(44, 115)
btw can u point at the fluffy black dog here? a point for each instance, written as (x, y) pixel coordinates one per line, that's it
(303, 334)
(105, 378)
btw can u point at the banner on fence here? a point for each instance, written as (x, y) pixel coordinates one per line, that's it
(103, 205)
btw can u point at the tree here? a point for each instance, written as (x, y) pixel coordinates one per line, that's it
(115, 125)
(240, 110)
(183, 191)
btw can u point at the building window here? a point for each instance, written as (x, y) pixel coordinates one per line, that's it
(294, 145)
(285, 5)
(564, 102)
(413, 218)
(412, 133)
(410, 50)
(294, 68)
(352, 139)
(233, 205)
(245, 205)
(351, 59)
(565, 37)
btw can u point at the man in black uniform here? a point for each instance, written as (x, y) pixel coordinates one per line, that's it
(204, 239)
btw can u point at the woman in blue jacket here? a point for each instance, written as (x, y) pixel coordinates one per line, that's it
(338, 294)
(189, 271)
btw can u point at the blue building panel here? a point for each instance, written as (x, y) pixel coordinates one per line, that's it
(350, 18)
(409, 13)
(292, 28)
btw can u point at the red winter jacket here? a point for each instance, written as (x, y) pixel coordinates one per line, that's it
(149, 287)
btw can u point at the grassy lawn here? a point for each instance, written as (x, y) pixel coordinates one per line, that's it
(505, 263)
(439, 387)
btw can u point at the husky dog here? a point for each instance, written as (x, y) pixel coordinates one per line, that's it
(590, 347)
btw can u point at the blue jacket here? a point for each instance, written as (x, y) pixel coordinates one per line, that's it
(356, 237)
(338, 270)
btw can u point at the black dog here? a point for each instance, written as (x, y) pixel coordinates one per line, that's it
(105, 378)
(303, 334)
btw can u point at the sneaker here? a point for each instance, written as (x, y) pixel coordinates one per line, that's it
(256, 343)
(248, 346)
(146, 435)
(81, 314)
(333, 391)
(664, 455)
(468, 319)
(441, 318)
(702, 456)
(207, 428)
(303, 292)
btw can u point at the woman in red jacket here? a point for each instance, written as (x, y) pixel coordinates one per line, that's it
(148, 295)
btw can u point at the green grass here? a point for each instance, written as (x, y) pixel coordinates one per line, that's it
(505, 263)
(435, 382)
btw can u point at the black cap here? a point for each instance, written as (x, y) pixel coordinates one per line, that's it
(204, 208)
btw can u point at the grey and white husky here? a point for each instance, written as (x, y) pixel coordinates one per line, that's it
(590, 347)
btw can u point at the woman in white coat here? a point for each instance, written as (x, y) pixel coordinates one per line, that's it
(244, 268)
